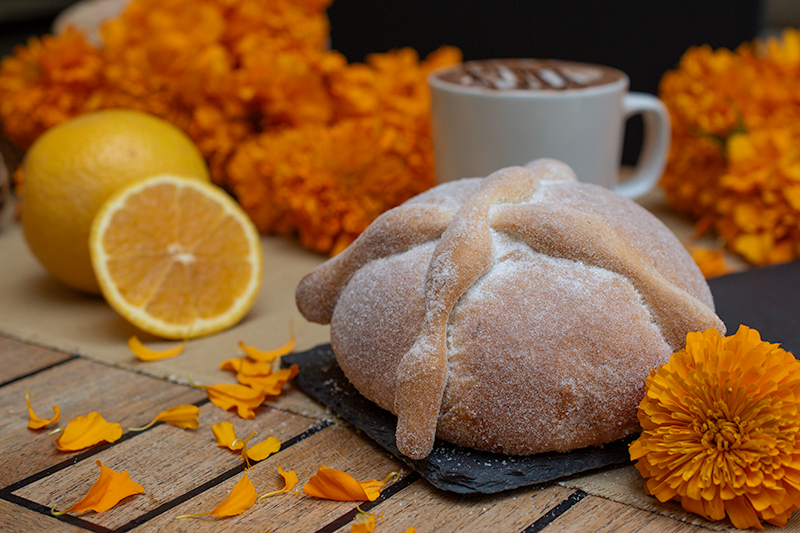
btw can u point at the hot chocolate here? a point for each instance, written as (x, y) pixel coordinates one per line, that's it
(530, 74)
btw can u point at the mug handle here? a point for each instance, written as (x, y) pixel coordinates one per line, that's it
(655, 145)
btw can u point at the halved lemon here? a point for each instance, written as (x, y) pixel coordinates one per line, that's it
(176, 257)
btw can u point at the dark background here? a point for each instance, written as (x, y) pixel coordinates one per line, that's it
(643, 38)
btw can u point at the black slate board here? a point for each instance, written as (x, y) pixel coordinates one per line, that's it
(767, 299)
(448, 467)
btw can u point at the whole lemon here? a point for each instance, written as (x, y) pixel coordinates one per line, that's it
(72, 168)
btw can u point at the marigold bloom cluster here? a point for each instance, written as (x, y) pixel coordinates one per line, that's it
(307, 142)
(720, 429)
(734, 164)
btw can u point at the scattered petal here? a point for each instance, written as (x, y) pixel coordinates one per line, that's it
(332, 484)
(39, 423)
(83, 432)
(241, 498)
(364, 522)
(272, 384)
(263, 449)
(289, 482)
(146, 354)
(270, 355)
(226, 436)
(109, 489)
(183, 416)
(228, 395)
(246, 366)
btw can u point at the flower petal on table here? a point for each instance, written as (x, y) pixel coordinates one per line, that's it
(289, 482)
(333, 484)
(109, 489)
(272, 385)
(270, 355)
(183, 416)
(263, 449)
(83, 432)
(36, 422)
(226, 436)
(146, 354)
(241, 498)
(227, 395)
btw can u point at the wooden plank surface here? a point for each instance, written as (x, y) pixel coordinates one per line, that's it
(184, 472)
(78, 387)
(603, 516)
(20, 359)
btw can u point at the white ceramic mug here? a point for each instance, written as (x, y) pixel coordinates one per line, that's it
(477, 130)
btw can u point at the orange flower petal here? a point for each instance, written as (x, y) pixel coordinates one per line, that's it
(83, 432)
(332, 484)
(226, 436)
(146, 354)
(263, 449)
(227, 395)
(109, 489)
(363, 523)
(247, 367)
(183, 416)
(35, 421)
(289, 482)
(270, 355)
(241, 498)
(271, 385)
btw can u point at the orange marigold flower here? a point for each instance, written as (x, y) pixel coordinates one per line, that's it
(83, 432)
(720, 429)
(36, 422)
(332, 484)
(241, 498)
(183, 416)
(734, 161)
(711, 262)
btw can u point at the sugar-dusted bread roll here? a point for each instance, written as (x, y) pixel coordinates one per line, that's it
(520, 313)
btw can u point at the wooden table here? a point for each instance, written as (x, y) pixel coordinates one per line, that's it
(183, 471)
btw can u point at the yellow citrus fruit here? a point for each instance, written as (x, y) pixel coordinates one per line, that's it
(176, 257)
(72, 168)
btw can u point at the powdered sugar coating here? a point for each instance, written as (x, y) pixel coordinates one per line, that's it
(520, 313)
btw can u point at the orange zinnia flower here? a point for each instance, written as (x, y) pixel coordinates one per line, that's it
(183, 416)
(36, 422)
(109, 489)
(146, 354)
(721, 429)
(332, 484)
(83, 432)
(241, 498)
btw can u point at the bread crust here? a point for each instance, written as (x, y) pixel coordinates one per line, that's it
(520, 313)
